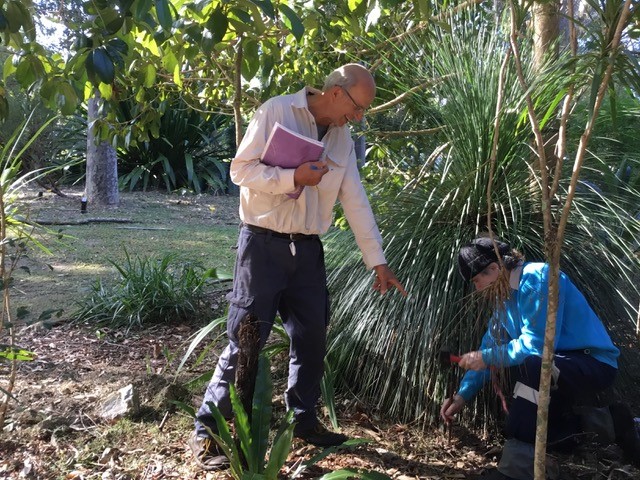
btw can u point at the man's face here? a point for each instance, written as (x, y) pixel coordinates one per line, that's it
(348, 104)
(486, 277)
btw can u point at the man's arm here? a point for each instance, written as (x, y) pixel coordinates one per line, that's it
(246, 168)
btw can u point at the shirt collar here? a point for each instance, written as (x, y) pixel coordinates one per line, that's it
(300, 97)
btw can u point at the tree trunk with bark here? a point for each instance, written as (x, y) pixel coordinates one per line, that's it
(546, 31)
(101, 182)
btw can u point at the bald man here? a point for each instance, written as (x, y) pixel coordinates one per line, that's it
(280, 261)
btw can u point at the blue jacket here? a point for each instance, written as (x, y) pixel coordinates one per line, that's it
(518, 331)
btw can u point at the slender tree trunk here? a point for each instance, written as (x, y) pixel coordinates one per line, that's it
(546, 30)
(247, 369)
(101, 183)
(232, 188)
(553, 244)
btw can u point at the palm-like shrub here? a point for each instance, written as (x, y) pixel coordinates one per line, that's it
(188, 150)
(147, 292)
(387, 348)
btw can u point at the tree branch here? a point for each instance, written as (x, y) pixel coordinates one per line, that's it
(401, 97)
(405, 133)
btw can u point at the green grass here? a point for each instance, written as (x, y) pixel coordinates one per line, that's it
(195, 229)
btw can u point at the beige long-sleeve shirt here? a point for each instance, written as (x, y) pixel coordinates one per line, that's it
(263, 189)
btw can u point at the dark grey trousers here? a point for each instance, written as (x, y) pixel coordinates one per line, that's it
(269, 279)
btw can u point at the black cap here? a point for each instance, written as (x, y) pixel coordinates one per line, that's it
(478, 255)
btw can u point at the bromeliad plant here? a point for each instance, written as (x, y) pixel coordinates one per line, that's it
(250, 457)
(249, 453)
(279, 345)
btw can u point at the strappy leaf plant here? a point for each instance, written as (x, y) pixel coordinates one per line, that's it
(147, 291)
(16, 237)
(386, 348)
(248, 450)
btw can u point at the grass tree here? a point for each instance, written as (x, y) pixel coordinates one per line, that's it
(429, 205)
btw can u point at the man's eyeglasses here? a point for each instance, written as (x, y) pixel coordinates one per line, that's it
(359, 109)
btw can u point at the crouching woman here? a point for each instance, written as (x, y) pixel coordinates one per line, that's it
(585, 359)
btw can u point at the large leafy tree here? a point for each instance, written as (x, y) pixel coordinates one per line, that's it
(219, 56)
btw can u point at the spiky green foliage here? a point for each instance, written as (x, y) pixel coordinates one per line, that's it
(148, 291)
(188, 150)
(249, 454)
(387, 348)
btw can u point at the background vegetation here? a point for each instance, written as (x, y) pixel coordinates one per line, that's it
(178, 80)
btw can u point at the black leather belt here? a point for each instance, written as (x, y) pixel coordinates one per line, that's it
(288, 236)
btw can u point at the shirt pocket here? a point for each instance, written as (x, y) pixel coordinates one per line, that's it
(332, 180)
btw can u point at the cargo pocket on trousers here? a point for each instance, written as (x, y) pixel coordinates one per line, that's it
(240, 305)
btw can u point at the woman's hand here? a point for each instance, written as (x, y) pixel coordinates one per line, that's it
(450, 407)
(472, 361)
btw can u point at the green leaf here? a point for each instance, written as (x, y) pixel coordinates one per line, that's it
(188, 162)
(9, 68)
(551, 111)
(224, 438)
(353, 4)
(266, 6)
(25, 73)
(3, 21)
(218, 24)
(243, 431)
(188, 409)
(15, 353)
(103, 65)
(595, 86)
(279, 452)
(14, 16)
(292, 21)
(118, 45)
(250, 59)
(67, 98)
(328, 393)
(261, 408)
(142, 8)
(165, 17)
(150, 76)
(243, 16)
(351, 474)
(218, 323)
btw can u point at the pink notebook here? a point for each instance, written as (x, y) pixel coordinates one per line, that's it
(288, 149)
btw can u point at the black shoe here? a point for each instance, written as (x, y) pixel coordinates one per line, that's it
(494, 474)
(207, 453)
(626, 433)
(319, 436)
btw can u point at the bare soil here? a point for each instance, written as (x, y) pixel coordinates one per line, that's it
(54, 430)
